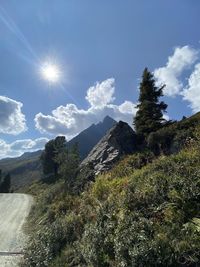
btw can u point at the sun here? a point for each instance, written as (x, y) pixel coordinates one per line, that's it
(50, 72)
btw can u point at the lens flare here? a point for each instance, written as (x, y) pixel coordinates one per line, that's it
(51, 72)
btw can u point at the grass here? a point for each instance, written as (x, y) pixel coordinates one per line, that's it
(144, 212)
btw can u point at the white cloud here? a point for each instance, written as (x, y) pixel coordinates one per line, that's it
(127, 108)
(12, 120)
(101, 94)
(182, 59)
(69, 120)
(192, 92)
(19, 147)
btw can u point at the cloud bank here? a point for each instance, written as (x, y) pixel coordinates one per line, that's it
(69, 120)
(12, 120)
(19, 147)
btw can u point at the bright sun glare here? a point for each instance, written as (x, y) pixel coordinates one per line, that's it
(51, 72)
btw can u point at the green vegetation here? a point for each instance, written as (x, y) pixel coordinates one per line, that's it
(59, 161)
(68, 161)
(48, 158)
(149, 117)
(5, 183)
(171, 138)
(144, 212)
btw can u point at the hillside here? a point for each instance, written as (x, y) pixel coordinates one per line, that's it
(27, 168)
(23, 170)
(143, 212)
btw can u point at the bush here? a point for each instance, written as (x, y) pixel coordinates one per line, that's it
(47, 243)
(145, 212)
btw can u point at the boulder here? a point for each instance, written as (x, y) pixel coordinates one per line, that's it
(120, 140)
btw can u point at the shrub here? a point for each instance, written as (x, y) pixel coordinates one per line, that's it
(145, 212)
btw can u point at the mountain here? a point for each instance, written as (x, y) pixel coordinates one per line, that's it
(88, 138)
(27, 168)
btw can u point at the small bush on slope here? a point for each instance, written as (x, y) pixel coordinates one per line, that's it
(145, 217)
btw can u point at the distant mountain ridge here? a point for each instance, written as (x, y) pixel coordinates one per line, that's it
(27, 168)
(25, 155)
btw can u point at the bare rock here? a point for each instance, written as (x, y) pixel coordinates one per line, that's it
(120, 140)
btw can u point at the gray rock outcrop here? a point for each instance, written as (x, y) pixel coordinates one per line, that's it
(120, 140)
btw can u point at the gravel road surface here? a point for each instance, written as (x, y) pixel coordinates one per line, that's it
(14, 209)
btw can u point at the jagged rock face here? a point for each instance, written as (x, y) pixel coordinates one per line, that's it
(88, 138)
(119, 141)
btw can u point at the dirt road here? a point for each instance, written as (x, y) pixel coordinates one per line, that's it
(14, 209)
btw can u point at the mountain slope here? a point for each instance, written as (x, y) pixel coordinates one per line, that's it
(27, 168)
(143, 212)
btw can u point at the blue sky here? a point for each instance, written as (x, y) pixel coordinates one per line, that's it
(101, 48)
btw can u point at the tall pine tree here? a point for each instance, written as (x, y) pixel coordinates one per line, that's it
(149, 116)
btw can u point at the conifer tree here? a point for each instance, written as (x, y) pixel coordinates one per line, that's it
(5, 183)
(68, 161)
(52, 149)
(149, 116)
